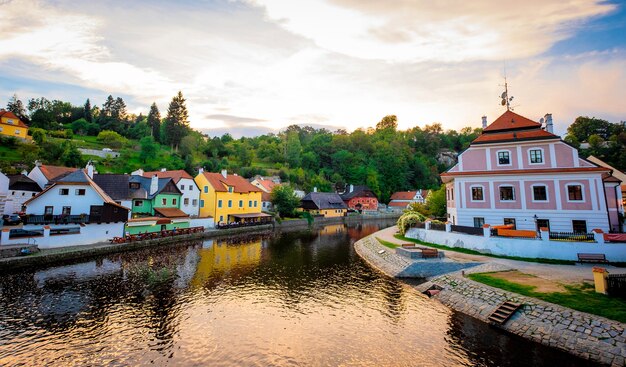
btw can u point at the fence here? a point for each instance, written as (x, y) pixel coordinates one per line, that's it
(55, 219)
(22, 233)
(420, 225)
(572, 237)
(617, 285)
(438, 226)
(467, 230)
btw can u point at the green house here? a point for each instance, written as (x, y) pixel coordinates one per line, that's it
(155, 197)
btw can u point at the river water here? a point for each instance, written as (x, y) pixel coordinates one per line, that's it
(291, 299)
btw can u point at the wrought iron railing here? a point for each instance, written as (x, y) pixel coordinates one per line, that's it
(468, 230)
(22, 233)
(572, 237)
(420, 225)
(55, 219)
(438, 226)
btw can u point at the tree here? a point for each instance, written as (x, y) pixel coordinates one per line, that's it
(148, 148)
(177, 121)
(71, 156)
(88, 116)
(39, 136)
(583, 127)
(154, 122)
(16, 106)
(293, 148)
(244, 154)
(436, 202)
(111, 138)
(388, 122)
(284, 200)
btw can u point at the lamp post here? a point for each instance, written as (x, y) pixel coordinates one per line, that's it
(536, 228)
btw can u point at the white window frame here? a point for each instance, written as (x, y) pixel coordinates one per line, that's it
(500, 194)
(582, 192)
(17, 131)
(498, 158)
(472, 195)
(543, 156)
(66, 190)
(77, 192)
(532, 190)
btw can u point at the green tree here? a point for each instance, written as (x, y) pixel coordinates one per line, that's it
(87, 114)
(284, 200)
(16, 106)
(244, 154)
(388, 122)
(148, 148)
(436, 202)
(111, 138)
(176, 121)
(583, 127)
(293, 149)
(71, 156)
(154, 121)
(39, 136)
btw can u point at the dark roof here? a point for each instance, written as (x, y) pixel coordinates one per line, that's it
(145, 182)
(78, 176)
(358, 191)
(323, 200)
(23, 183)
(117, 186)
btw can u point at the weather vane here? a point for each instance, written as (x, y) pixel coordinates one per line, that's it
(506, 100)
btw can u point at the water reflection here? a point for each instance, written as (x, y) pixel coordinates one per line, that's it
(296, 298)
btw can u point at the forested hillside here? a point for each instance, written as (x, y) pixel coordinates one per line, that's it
(382, 157)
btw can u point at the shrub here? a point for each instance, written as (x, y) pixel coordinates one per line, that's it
(408, 220)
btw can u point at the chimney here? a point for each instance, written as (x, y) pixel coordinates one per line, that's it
(37, 163)
(90, 169)
(351, 187)
(549, 126)
(200, 170)
(224, 173)
(138, 172)
(154, 185)
(163, 169)
(315, 189)
(25, 173)
(484, 122)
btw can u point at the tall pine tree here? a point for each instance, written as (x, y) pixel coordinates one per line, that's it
(154, 121)
(16, 106)
(177, 121)
(88, 115)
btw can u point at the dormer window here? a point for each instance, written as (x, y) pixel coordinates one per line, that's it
(10, 121)
(230, 189)
(504, 158)
(134, 185)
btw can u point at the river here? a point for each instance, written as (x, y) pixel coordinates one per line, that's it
(293, 299)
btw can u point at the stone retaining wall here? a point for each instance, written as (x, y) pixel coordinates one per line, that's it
(588, 336)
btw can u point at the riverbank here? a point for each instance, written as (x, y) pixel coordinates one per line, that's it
(588, 336)
(71, 253)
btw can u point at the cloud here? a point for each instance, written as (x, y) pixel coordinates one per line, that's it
(416, 31)
(234, 119)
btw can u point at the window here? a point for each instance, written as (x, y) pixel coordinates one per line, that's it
(579, 226)
(164, 201)
(64, 191)
(194, 202)
(507, 193)
(250, 203)
(186, 201)
(66, 210)
(255, 203)
(451, 194)
(575, 192)
(543, 223)
(48, 210)
(230, 189)
(221, 218)
(17, 131)
(504, 157)
(190, 187)
(201, 203)
(219, 203)
(230, 203)
(182, 187)
(540, 193)
(479, 222)
(508, 221)
(138, 202)
(241, 203)
(174, 201)
(10, 121)
(134, 185)
(80, 192)
(536, 156)
(477, 193)
(206, 189)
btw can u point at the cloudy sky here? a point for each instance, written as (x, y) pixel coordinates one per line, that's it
(254, 66)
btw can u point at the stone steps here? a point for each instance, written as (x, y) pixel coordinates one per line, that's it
(503, 312)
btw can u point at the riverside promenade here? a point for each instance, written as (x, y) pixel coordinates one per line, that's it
(588, 336)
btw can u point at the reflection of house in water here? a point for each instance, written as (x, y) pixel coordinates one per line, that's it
(332, 229)
(218, 257)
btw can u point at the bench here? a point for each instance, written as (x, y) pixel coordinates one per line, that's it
(430, 252)
(593, 258)
(408, 245)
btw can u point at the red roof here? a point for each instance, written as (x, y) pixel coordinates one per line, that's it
(403, 195)
(171, 212)
(399, 204)
(174, 175)
(238, 183)
(55, 172)
(11, 115)
(266, 196)
(267, 184)
(514, 136)
(510, 121)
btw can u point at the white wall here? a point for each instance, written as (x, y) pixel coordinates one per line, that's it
(37, 176)
(534, 248)
(193, 194)
(15, 200)
(81, 204)
(207, 223)
(90, 233)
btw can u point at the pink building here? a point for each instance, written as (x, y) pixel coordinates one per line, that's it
(517, 172)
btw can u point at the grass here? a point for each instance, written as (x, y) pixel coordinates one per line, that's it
(9, 154)
(581, 298)
(474, 252)
(387, 243)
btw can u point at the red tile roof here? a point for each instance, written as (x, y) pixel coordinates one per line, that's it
(266, 196)
(175, 175)
(267, 184)
(11, 115)
(514, 136)
(55, 172)
(403, 195)
(171, 212)
(238, 183)
(399, 204)
(510, 121)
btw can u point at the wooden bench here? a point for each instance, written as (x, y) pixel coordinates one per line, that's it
(592, 258)
(408, 245)
(430, 252)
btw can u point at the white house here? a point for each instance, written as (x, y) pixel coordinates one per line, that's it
(21, 188)
(75, 195)
(266, 185)
(400, 200)
(190, 200)
(518, 173)
(44, 174)
(4, 189)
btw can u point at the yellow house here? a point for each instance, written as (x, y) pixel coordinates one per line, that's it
(327, 204)
(11, 125)
(229, 198)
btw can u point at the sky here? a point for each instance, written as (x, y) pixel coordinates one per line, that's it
(254, 66)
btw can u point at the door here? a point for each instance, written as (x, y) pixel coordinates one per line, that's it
(543, 223)
(95, 213)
